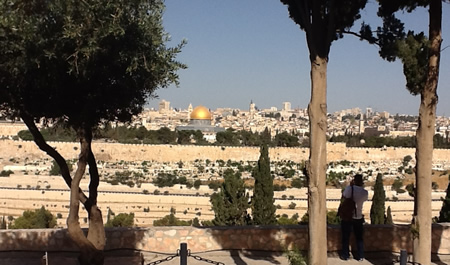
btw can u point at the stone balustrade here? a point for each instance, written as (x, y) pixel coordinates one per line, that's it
(383, 238)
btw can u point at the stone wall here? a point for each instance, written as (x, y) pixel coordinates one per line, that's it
(386, 238)
(175, 153)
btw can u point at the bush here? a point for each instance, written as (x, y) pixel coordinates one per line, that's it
(296, 257)
(121, 220)
(56, 171)
(6, 173)
(171, 220)
(292, 205)
(40, 218)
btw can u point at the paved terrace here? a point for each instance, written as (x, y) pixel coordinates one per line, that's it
(222, 245)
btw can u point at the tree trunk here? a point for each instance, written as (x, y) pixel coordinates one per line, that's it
(317, 166)
(91, 247)
(424, 149)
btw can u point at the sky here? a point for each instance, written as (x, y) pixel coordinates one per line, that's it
(239, 51)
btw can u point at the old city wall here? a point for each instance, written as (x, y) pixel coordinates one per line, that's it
(175, 153)
(383, 238)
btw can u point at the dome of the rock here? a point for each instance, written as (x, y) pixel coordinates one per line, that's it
(200, 113)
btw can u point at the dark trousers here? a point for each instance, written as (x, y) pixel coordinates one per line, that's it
(358, 229)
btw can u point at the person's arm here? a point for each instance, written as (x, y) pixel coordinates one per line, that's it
(366, 195)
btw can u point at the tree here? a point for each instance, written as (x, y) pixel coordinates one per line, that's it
(40, 218)
(388, 219)
(230, 204)
(82, 64)
(121, 220)
(444, 214)
(379, 197)
(323, 21)
(421, 59)
(55, 170)
(284, 139)
(263, 208)
(3, 223)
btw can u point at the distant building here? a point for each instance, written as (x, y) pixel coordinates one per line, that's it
(376, 131)
(369, 113)
(361, 126)
(164, 106)
(200, 119)
(287, 106)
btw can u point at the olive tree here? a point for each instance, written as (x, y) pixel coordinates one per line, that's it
(82, 64)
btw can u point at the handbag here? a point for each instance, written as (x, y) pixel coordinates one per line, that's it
(347, 209)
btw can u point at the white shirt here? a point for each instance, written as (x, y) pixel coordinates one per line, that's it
(360, 195)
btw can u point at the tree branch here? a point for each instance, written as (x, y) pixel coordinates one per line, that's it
(42, 144)
(361, 37)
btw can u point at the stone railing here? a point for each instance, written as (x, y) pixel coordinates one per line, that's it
(385, 238)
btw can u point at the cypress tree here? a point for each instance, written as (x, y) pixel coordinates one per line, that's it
(444, 214)
(263, 208)
(3, 223)
(379, 197)
(388, 220)
(230, 204)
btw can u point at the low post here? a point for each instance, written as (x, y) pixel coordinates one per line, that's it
(403, 257)
(183, 253)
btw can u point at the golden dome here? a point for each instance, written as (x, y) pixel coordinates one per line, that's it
(200, 113)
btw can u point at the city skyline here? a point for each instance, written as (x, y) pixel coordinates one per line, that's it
(239, 52)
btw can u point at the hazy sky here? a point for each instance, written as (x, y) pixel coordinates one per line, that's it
(243, 50)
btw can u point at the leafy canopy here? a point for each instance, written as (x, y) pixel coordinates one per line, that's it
(83, 61)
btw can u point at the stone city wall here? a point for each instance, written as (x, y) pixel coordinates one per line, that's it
(385, 238)
(9, 129)
(175, 153)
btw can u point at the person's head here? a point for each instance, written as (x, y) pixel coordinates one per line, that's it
(358, 180)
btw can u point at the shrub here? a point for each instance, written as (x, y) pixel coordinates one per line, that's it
(40, 218)
(6, 173)
(121, 220)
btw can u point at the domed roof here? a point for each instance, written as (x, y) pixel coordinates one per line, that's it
(200, 113)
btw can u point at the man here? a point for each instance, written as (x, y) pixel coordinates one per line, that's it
(360, 195)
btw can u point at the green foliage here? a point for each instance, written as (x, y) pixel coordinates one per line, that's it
(285, 220)
(375, 141)
(332, 218)
(168, 180)
(121, 220)
(227, 138)
(378, 202)
(333, 178)
(40, 218)
(215, 185)
(6, 173)
(297, 183)
(285, 139)
(197, 184)
(397, 185)
(388, 220)
(411, 190)
(3, 223)
(230, 204)
(444, 214)
(171, 220)
(263, 207)
(296, 257)
(104, 59)
(56, 171)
